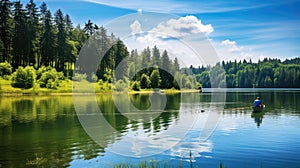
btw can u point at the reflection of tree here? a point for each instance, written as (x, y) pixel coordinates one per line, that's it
(43, 126)
(258, 117)
(141, 101)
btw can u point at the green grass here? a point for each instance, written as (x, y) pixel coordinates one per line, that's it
(69, 87)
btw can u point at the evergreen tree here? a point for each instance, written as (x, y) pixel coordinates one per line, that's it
(5, 29)
(20, 38)
(48, 40)
(32, 32)
(89, 28)
(155, 56)
(155, 79)
(61, 40)
(176, 64)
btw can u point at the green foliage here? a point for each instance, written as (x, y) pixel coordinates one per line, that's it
(79, 77)
(24, 77)
(145, 82)
(155, 79)
(135, 86)
(120, 85)
(5, 69)
(41, 71)
(264, 74)
(50, 79)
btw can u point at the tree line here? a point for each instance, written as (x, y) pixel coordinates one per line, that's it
(33, 36)
(267, 73)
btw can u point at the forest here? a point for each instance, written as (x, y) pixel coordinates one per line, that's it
(268, 73)
(41, 49)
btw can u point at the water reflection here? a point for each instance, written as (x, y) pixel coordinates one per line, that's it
(258, 118)
(47, 126)
(42, 129)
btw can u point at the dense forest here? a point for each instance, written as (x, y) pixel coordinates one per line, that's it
(37, 46)
(268, 73)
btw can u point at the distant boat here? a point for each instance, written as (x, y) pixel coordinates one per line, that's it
(258, 109)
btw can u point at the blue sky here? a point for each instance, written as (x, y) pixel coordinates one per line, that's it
(241, 29)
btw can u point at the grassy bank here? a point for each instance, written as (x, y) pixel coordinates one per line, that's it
(68, 87)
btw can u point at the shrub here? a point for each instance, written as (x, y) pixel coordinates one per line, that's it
(145, 82)
(135, 86)
(5, 69)
(24, 77)
(120, 85)
(42, 70)
(79, 77)
(50, 79)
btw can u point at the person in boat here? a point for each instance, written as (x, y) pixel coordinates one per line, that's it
(258, 102)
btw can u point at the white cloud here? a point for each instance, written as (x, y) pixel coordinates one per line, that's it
(231, 45)
(231, 50)
(171, 29)
(136, 28)
(184, 38)
(184, 26)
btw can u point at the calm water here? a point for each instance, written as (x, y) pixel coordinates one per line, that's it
(48, 131)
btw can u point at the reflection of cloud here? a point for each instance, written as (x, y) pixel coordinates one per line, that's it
(183, 149)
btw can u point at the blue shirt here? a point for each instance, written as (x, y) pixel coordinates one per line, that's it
(257, 103)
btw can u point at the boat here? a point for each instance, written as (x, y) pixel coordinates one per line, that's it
(258, 109)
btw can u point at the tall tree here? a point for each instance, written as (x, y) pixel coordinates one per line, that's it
(20, 38)
(166, 77)
(69, 24)
(5, 28)
(156, 56)
(89, 28)
(48, 41)
(176, 64)
(61, 40)
(33, 30)
(155, 79)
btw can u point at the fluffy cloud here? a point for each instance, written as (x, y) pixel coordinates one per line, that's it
(184, 26)
(176, 36)
(231, 45)
(136, 28)
(230, 50)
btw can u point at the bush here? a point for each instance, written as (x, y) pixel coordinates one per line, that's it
(5, 69)
(23, 77)
(145, 82)
(42, 70)
(135, 86)
(51, 79)
(79, 77)
(120, 85)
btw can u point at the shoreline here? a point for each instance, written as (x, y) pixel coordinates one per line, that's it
(57, 93)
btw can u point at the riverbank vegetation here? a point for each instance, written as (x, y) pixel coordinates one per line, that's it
(39, 52)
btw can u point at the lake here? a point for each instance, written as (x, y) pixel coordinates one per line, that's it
(197, 129)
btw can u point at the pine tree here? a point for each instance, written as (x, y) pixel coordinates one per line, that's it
(32, 32)
(61, 40)
(5, 29)
(156, 56)
(20, 38)
(48, 40)
(155, 79)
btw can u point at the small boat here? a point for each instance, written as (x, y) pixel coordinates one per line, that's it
(258, 109)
